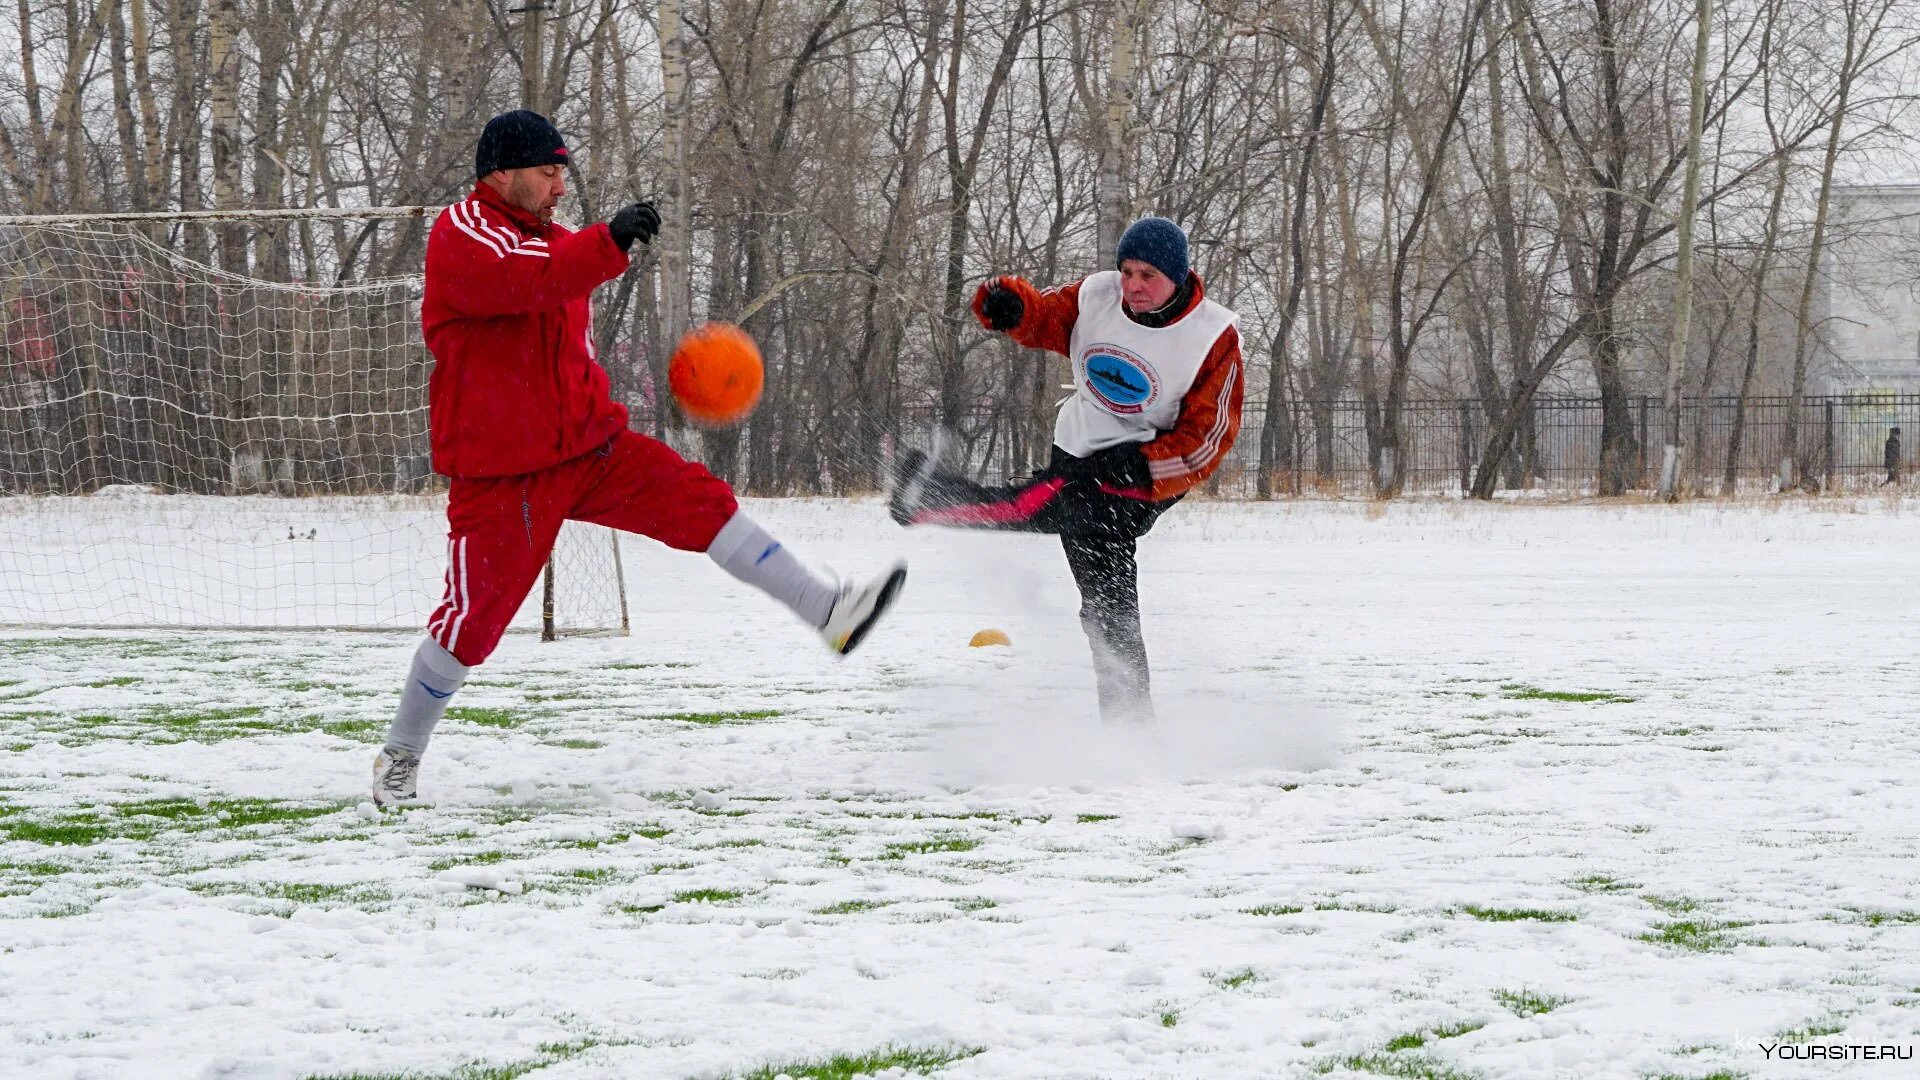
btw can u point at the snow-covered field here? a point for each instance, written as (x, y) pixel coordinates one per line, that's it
(1438, 791)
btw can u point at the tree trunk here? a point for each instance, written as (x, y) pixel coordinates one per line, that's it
(1683, 271)
(1795, 459)
(1736, 437)
(1270, 433)
(223, 60)
(675, 244)
(1129, 17)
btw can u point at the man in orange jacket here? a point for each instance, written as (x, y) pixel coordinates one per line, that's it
(522, 423)
(1156, 406)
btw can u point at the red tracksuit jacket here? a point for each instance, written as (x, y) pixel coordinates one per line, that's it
(508, 317)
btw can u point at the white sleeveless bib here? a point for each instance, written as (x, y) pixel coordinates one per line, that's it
(1129, 380)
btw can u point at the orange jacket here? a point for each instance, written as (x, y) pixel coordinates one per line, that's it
(1190, 451)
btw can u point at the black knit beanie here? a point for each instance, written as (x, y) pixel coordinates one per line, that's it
(520, 139)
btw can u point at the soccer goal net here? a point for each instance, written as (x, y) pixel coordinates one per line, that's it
(187, 445)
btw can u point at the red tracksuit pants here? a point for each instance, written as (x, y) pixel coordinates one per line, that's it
(500, 529)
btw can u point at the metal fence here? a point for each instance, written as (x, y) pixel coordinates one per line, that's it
(1326, 448)
(1326, 444)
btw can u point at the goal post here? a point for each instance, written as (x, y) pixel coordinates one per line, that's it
(220, 420)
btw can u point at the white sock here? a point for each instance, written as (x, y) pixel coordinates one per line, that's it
(431, 681)
(745, 550)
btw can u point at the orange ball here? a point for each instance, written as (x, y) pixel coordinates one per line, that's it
(716, 374)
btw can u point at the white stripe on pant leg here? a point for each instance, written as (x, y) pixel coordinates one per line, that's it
(452, 605)
(454, 637)
(446, 598)
(438, 627)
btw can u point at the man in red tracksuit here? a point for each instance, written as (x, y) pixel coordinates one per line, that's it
(523, 424)
(1156, 407)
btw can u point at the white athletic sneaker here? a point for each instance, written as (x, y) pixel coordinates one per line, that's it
(396, 778)
(858, 607)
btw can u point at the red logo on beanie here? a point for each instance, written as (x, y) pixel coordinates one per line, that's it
(560, 152)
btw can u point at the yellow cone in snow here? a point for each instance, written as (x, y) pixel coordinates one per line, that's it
(989, 637)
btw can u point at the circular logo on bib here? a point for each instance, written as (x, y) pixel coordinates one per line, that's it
(1118, 379)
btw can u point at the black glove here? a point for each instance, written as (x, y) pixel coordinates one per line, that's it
(1002, 307)
(1122, 467)
(637, 222)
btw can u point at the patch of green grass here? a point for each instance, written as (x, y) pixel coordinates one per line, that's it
(853, 907)
(1234, 980)
(1407, 1066)
(359, 895)
(496, 718)
(190, 718)
(904, 848)
(95, 648)
(1089, 819)
(173, 723)
(1523, 692)
(307, 894)
(637, 909)
(1169, 1018)
(1486, 914)
(1813, 1029)
(706, 896)
(922, 1060)
(578, 744)
(549, 1054)
(75, 831)
(630, 666)
(1525, 1003)
(346, 728)
(1273, 909)
(1601, 883)
(1863, 917)
(971, 904)
(1717, 1074)
(1694, 935)
(736, 716)
(1672, 905)
(35, 869)
(118, 680)
(229, 813)
(484, 858)
(1415, 1039)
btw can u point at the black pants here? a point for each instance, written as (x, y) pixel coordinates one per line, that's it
(1098, 532)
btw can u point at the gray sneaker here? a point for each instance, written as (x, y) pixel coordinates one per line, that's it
(396, 778)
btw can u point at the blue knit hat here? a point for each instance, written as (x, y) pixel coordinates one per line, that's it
(1158, 243)
(521, 139)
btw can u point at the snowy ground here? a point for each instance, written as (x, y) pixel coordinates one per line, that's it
(1440, 791)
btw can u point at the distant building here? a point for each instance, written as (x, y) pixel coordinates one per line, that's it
(1870, 293)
